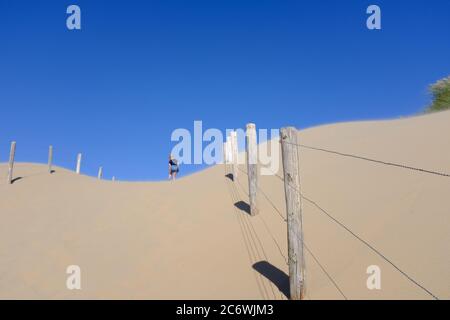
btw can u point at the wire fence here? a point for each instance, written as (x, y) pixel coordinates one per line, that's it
(279, 212)
(55, 158)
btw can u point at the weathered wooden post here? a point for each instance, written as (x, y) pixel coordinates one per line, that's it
(224, 151)
(113, 178)
(228, 150)
(12, 154)
(235, 154)
(100, 173)
(228, 158)
(252, 166)
(224, 148)
(289, 149)
(78, 163)
(50, 159)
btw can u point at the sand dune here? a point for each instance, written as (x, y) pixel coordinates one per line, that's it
(191, 238)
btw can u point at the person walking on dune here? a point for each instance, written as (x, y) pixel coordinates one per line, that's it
(173, 167)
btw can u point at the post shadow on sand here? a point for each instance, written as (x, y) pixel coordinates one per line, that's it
(230, 176)
(16, 179)
(242, 205)
(275, 275)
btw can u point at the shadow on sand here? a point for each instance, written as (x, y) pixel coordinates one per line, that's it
(16, 179)
(242, 205)
(275, 275)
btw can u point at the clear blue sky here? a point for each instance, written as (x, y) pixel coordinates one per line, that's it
(137, 70)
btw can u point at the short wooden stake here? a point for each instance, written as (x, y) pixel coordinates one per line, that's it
(100, 173)
(50, 159)
(252, 166)
(12, 154)
(78, 163)
(289, 149)
(224, 150)
(228, 150)
(235, 154)
(228, 154)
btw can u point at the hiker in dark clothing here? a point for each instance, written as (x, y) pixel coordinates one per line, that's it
(173, 168)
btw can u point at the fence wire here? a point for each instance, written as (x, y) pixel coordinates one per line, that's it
(339, 223)
(314, 256)
(387, 163)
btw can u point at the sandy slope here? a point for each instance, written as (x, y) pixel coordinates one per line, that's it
(188, 240)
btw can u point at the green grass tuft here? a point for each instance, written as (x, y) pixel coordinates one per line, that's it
(440, 92)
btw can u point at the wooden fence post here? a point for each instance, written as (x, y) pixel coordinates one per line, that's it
(100, 173)
(235, 154)
(12, 154)
(252, 166)
(225, 160)
(228, 150)
(289, 148)
(50, 159)
(78, 163)
(228, 154)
